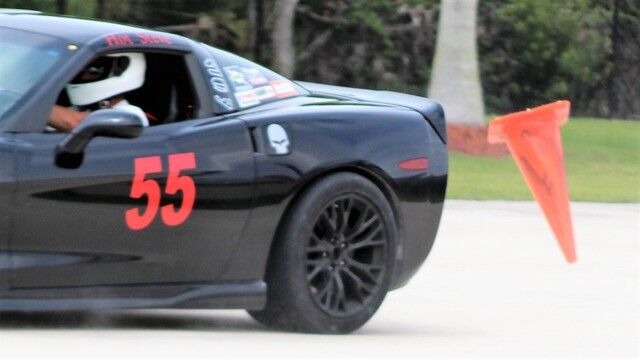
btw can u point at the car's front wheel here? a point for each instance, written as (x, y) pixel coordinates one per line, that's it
(331, 263)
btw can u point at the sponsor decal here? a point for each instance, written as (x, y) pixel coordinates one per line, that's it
(255, 77)
(224, 101)
(283, 88)
(247, 98)
(218, 83)
(279, 143)
(237, 78)
(265, 93)
(118, 40)
(137, 39)
(216, 80)
(154, 39)
(254, 96)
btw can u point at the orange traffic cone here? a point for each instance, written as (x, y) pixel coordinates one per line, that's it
(533, 137)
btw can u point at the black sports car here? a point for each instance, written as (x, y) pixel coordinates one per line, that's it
(302, 203)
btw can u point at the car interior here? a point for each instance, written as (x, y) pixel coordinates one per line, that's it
(167, 95)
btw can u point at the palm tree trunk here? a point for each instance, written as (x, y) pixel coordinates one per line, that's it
(282, 36)
(456, 80)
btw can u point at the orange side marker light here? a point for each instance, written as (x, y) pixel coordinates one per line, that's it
(417, 164)
(533, 137)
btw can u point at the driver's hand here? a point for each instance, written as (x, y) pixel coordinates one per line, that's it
(65, 119)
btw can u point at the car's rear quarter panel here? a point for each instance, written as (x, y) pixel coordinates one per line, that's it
(370, 140)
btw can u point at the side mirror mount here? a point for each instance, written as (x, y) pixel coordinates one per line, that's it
(107, 122)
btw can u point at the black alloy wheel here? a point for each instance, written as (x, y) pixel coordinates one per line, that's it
(346, 255)
(331, 262)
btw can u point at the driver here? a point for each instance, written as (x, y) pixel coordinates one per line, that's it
(101, 85)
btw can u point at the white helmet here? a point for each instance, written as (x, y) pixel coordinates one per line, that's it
(106, 77)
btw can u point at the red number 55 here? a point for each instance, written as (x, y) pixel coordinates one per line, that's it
(138, 220)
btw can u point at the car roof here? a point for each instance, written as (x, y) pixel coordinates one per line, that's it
(77, 30)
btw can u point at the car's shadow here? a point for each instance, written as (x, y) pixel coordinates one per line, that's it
(132, 320)
(178, 320)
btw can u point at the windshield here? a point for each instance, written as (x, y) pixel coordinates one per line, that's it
(25, 58)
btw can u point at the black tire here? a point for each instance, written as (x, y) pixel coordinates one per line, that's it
(341, 230)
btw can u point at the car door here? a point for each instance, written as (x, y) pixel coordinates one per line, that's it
(166, 207)
(7, 187)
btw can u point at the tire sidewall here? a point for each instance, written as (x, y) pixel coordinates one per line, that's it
(295, 235)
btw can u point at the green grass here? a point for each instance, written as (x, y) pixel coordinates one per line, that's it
(602, 162)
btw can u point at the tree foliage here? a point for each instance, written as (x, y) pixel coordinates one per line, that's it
(531, 51)
(536, 51)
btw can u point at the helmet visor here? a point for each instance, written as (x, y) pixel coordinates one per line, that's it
(101, 68)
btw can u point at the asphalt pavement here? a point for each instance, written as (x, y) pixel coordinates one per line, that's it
(495, 285)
